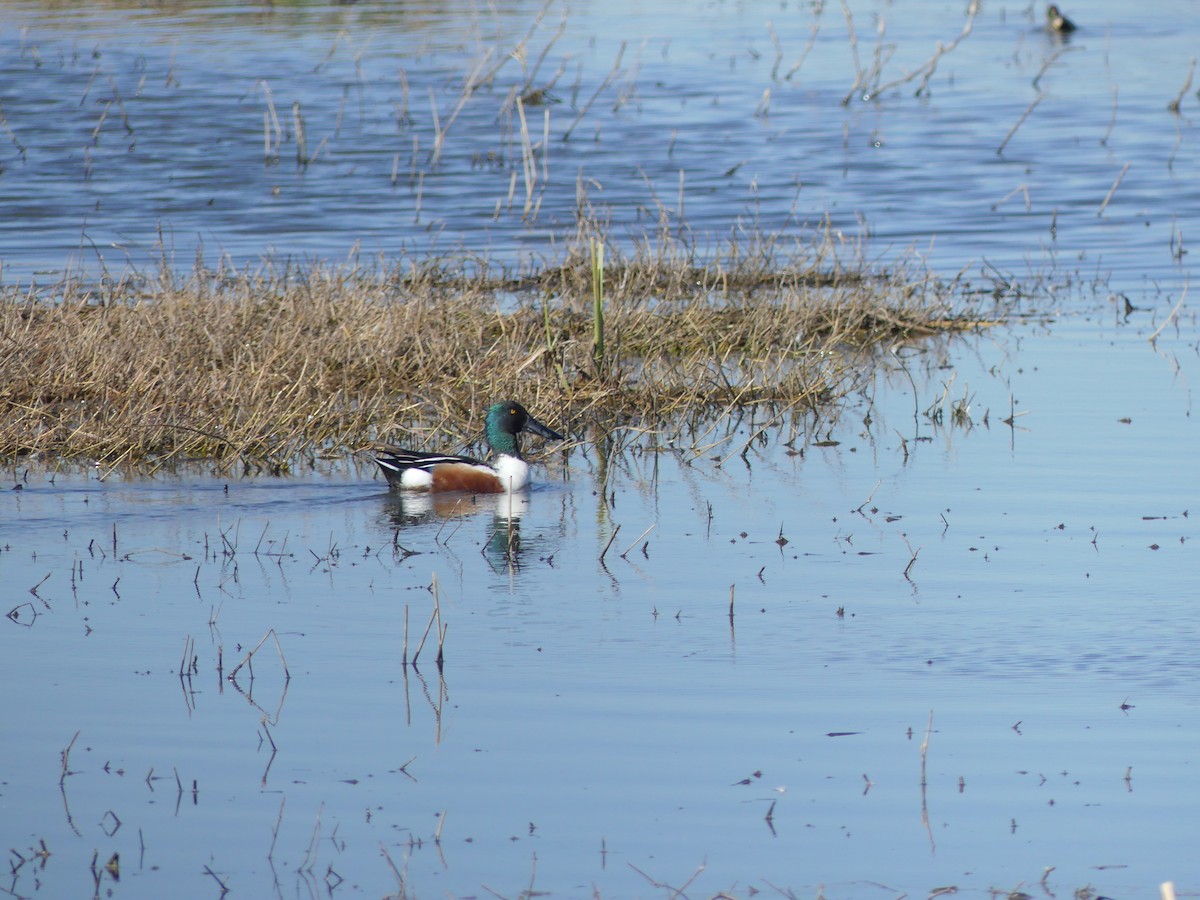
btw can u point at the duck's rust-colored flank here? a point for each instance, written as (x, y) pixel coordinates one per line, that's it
(455, 477)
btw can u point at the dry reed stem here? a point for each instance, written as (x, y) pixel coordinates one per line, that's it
(65, 756)
(250, 655)
(1173, 106)
(1112, 190)
(1021, 121)
(268, 368)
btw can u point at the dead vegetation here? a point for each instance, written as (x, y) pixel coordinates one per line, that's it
(272, 366)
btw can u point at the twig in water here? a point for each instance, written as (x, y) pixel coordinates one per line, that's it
(1173, 106)
(261, 537)
(404, 651)
(925, 747)
(1020, 122)
(562, 26)
(612, 537)
(859, 74)
(301, 135)
(396, 872)
(763, 110)
(872, 494)
(812, 39)
(473, 80)
(310, 856)
(924, 781)
(437, 608)
(1112, 120)
(1019, 189)
(672, 890)
(631, 83)
(34, 590)
(653, 525)
(275, 830)
(778, 50)
(417, 653)
(528, 163)
(270, 634)
(224, 887)
(1047, 64)
(604, 84)
(1112, 190)
(188, 645)
(11, 135)
(1171, 314)
(912, 562)
(66, 757)
(930, 67)
(271, 125)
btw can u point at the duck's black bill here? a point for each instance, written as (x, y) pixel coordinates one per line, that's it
(536, 427)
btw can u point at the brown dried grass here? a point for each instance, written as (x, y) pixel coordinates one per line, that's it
(271, 366)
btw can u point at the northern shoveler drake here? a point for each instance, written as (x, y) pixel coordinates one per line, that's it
(1056, 21)
(410, 470)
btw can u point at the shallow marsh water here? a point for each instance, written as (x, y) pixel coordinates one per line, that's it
(593, 717)
(134, 135)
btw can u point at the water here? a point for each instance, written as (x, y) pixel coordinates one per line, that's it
(137, 135)
(596, 716)
(601, 724)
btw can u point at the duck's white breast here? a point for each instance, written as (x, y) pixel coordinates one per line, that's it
(512, 472)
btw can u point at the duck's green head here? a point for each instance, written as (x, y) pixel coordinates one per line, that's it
(507, 419)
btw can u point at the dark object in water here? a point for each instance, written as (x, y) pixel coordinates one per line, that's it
(1056, 21)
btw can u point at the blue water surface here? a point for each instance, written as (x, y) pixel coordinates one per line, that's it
(962, 643)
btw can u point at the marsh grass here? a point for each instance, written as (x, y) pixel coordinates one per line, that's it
(274, 366)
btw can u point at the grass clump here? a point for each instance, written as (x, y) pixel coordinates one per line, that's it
(269, 366)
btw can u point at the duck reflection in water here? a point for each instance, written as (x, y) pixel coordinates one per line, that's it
(503, 547)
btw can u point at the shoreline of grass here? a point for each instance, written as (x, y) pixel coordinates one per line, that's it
(272, 365)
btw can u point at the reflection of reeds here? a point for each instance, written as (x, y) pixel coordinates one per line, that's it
(267, 366)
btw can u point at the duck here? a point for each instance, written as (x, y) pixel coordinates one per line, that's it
(1056, 21)
(507, 472)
